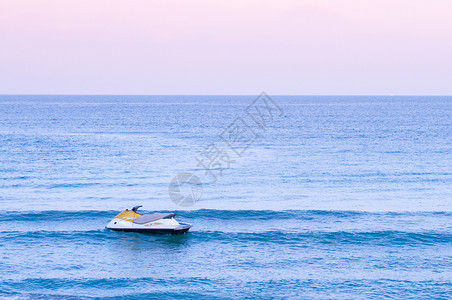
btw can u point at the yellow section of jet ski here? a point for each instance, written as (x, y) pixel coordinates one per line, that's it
(128, 215)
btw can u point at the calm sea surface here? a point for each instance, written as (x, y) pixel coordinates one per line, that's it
(314, 197)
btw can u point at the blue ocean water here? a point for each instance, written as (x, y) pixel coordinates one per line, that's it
(336, 197)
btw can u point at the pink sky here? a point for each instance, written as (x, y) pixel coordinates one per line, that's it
(226, 47)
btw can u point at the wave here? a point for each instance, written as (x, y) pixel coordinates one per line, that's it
(302, 239)
(299, 228)
(220, 288)
(52, 215)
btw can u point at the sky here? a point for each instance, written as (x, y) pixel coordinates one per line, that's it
(282, 47)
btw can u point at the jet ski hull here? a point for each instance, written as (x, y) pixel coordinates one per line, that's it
(153, 230)
(180, 229)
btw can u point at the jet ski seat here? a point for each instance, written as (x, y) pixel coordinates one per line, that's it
(151, 218)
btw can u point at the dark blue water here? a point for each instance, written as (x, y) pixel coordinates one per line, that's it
(338, 197)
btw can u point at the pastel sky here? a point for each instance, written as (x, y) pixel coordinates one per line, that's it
(305, 47)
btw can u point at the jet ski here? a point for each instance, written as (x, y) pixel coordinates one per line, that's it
(160, 223)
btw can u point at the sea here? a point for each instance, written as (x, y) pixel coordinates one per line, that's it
(295, 197)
